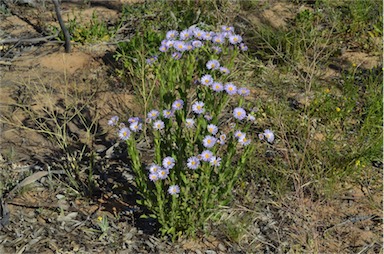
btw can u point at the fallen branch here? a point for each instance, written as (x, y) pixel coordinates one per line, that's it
(28, 40)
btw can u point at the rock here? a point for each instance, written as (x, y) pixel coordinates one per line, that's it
(221, 247)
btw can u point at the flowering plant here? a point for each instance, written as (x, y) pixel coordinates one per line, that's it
(200, 146)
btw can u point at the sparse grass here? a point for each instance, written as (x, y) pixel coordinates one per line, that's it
(87, 32)
(321, 133)
(67, 120)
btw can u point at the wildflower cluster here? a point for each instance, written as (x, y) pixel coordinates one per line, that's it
(194, 37)
(197, 158)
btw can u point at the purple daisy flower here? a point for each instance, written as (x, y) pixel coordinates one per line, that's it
(153, 114)
(208, 117)
(243, 47)
(268, 134)
(224, 70)
(230, 88)
(213, 65)
(176, 55)
(208, 36)
(163, 173)
(180, 46)
(243, 91)
(158, 125)
(206, 155)
(189, 123)
(227, 29)
(170, 43)
(219, 39)
(167, 113)
(163, 48)
(206, 80)
(174, 189)
(238, 134)
(193, 162)
(217, 87)
(172, 35)
(212, 129)
(133, 119)
(151, 60)
(124, 133)
(199, 34)
(215, 161)
(185, 35)
(244, 141)
(222, 139)
(197, 44)
(227, 34)
(154, 168)
(239, 113)
(189, 46)
(209, 141)
(113, 121)
(136, 126)
(235, 39)
(153, 177)
(168, 162)
(178, 104)
(198, 107)
(216, 49)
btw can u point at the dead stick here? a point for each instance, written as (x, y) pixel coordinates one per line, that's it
(28, 40)
(67, 44)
